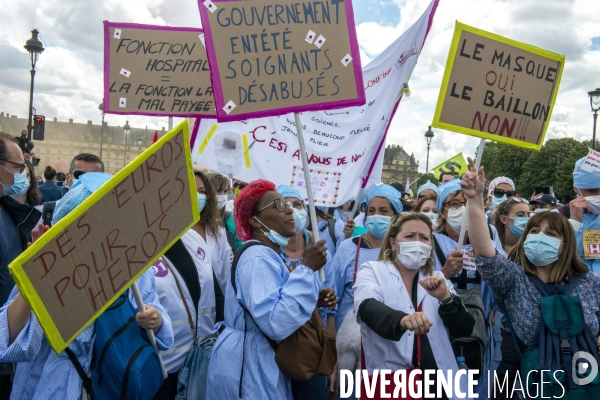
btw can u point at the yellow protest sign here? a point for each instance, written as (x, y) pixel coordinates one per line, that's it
(456, 165)
(84, 262)
(497, 88)
(591, 245)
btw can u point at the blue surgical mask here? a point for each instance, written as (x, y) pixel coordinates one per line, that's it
(201, 201)
(300, 219)
(496, 201)
(432, 216)
(541, 249)
(519, 226)
(378, 225)
(275, 236)
(20, 185)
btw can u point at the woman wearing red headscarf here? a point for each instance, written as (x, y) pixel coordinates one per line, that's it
(267, 299)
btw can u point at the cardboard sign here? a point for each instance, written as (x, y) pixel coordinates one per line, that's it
(498, 89)
(156, 70)
(456, 165)
(591, 245)
(85, 261)
(269, 57)
(592, 162)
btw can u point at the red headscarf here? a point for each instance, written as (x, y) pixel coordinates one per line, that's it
(244, 204)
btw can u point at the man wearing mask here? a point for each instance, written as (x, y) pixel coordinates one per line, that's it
(80, 164)
(544, 202)
(16, 223)
(585, 210)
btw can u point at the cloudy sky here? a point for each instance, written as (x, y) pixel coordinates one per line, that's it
(69, 77)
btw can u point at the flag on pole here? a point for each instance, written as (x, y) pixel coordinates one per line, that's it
(155, 138)
(456, 165)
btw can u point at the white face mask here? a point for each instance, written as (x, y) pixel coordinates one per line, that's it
(455, 218)
(594, 204)
(221, 200)
(413, 255)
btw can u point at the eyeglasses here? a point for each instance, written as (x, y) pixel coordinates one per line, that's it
(499, 193)
(77, 174)
(21, 166)
(454, 204)
(280, 205)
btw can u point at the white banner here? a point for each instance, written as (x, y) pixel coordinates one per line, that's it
(344, 147)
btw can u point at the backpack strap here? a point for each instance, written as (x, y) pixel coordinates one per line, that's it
(438, 252)
(47, 212)
(219, 300)
(185, 265)
(86, 381)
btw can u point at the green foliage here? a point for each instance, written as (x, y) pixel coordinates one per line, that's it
(551, 166)
(423, 178)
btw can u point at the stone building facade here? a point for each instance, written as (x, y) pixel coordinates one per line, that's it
(64, 140)
(398, 166)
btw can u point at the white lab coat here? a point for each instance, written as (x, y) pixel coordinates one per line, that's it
(381, 281)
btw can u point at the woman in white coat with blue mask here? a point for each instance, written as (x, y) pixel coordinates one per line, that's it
(406, 309)
(382, 204)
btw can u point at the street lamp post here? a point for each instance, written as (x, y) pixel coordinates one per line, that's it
(428, 136)
(126, 128)
(594, 101)
(35, 47)
(139, 143)
(101, 108)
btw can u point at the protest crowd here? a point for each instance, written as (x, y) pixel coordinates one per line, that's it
(227, 300)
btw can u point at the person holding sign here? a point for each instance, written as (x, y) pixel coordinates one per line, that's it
(400, 298)
(267, 301)
(459, 267)
(545, 254)
(585, 213)
(316, 387)
(43, 374)
(382, 204)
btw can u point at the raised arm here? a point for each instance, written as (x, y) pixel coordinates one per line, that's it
(473, 185)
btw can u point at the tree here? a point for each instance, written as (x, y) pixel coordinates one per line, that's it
(501, 159)
(552, 166)
(423, 178)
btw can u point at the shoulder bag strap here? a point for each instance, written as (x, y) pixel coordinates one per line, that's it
(87, 382)
(331, 224)
(185, 265)
(187, 309)
(356, 256)
(438, 252)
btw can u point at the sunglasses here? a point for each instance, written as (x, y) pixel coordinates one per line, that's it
(21, 166)
(77, 174)
(516, 200)
(499, 193)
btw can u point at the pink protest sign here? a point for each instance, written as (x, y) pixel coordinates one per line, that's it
(270, 58)
(156, 70)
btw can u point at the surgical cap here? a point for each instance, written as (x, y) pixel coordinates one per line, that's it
(501, 179)
(585, 179)
(245, 202)
(427, 186)
(288, 191)
(385, 191)
(87, 184)
(446, 190)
